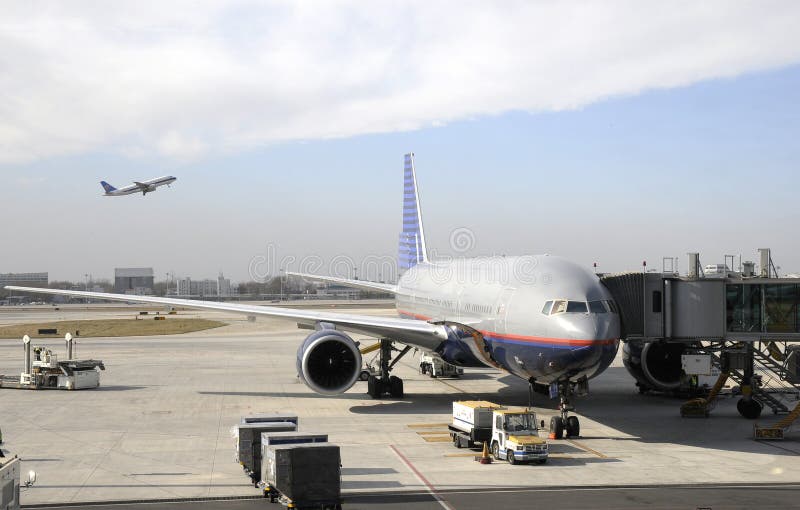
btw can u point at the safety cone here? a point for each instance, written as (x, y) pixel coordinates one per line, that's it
(485, 458)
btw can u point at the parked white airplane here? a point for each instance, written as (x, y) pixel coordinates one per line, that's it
(144, 187)
(541, 318)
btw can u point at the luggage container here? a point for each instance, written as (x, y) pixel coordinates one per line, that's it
(249, 444)
(283, 438)
(306, 476)
(268, 417)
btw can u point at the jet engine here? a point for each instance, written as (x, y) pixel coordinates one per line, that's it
(654, 365)
(329, 362)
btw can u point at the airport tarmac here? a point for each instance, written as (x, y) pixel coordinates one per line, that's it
(159, 426)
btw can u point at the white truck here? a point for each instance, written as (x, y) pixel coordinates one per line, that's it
(511, 433)
(435, 366)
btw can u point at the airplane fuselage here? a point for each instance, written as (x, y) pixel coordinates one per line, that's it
(143, 187)
(495, 309)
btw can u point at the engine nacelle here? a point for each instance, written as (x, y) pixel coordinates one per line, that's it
(654, 365)
(329, 362)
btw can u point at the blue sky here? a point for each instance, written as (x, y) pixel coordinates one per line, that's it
(677, 163)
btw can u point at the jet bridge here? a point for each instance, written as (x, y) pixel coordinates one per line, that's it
(748, 326)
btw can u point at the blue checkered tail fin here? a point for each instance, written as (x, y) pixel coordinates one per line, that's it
(412, 248)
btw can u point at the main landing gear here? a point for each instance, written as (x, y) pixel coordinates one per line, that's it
(384, 383)
(566, 425)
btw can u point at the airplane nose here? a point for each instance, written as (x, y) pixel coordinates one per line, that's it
(603, 326)
(606, 326)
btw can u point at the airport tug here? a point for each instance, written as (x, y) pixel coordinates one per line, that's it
(510, 433)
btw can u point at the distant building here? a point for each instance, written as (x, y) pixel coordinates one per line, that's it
(224, 288)
(134, 280)
(221, 287)
(183, 286)
(338, 291)
(22, 280)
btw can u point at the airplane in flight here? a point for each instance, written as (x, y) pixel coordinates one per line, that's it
(539, 317)
(143, 187)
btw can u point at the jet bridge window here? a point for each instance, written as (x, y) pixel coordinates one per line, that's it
(743, 304)
(576, 307)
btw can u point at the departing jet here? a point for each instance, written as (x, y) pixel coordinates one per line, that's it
(144, 187)
(539, 317)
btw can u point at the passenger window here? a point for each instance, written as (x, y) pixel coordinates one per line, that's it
(547, 306)
(558, 307)
(576, 307)
(596, 307)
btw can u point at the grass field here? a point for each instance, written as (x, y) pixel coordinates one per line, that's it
(111, 327)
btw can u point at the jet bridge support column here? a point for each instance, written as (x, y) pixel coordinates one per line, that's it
(748, 406)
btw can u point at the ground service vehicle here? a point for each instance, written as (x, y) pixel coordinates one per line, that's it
(511, 433)
(435, 366)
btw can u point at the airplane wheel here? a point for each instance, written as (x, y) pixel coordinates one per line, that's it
(750, 409)
(395, 387)
(573, 426)
(496, 451)
(456, 441)
(373, 387)
(557, 427)
(364, 375)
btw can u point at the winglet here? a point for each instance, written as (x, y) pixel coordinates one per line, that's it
(107, 187)
(412, 248)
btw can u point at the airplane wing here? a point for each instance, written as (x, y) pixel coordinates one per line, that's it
(141, 185)
(417, 333)
(358, 284)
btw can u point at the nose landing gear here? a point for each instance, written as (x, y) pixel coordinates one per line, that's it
(566, 425)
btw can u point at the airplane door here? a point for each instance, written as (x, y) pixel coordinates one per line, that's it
(503, 302)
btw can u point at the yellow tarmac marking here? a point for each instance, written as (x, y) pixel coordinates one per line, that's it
(432, 433)
(587, 449)
(426, 425)
(437, 439)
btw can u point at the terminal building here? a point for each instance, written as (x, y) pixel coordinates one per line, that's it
(134, 280)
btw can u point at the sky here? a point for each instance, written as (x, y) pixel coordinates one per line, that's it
(605, 132)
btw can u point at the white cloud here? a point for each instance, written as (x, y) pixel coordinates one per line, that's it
(192, 78)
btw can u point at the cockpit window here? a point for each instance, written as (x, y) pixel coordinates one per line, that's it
(576, 307)
(562, 306)
(597, 307)
(559, 306)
